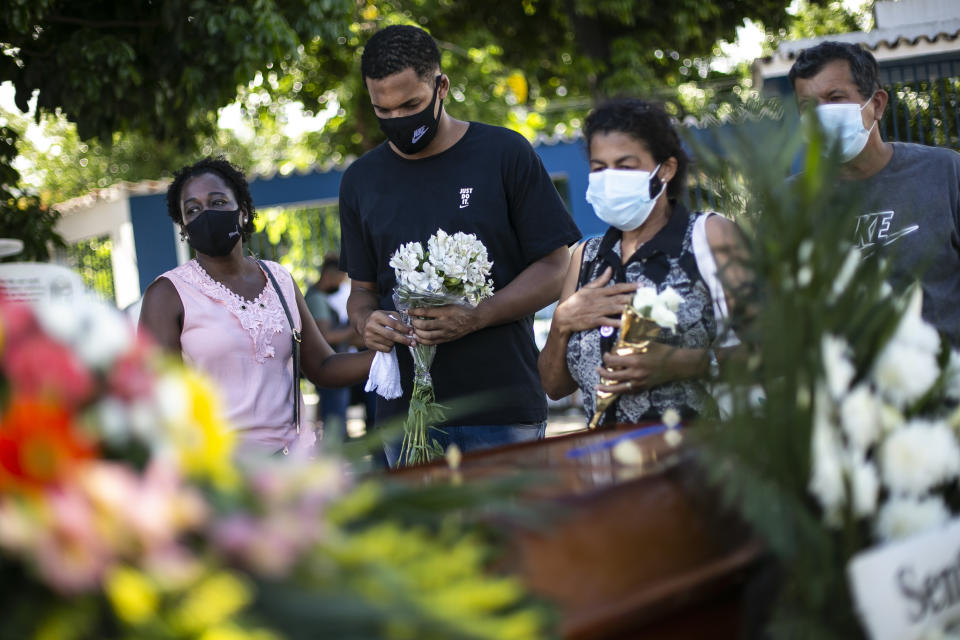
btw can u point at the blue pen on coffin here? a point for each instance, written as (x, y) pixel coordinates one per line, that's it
(609, 444)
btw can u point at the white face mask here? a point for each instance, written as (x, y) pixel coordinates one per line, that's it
(843, 125)
(621, 197)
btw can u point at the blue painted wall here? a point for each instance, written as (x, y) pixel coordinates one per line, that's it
(153, 237)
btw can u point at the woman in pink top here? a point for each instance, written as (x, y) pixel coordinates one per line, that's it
(222, 312)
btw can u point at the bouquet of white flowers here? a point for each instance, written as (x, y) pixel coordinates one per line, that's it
(884, 447)
(640, 324)
(454, 269)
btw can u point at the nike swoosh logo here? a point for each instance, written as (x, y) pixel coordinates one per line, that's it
(464, 206)
(896, 235)
(419, 133)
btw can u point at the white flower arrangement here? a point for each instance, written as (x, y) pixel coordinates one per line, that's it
(660, 307)
(454, 265)
(871, 451)
(454, 269)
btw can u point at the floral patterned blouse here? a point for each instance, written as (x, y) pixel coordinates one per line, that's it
(668, 259)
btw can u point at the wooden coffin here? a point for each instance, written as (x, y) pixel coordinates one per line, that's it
(632, 551)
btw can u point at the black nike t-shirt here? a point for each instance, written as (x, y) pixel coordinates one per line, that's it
(490, 183)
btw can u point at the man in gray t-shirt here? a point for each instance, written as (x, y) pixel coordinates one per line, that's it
(912, 206)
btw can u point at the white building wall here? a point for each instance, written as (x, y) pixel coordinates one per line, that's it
(108, 217)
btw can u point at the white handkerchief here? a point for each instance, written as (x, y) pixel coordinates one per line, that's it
(384, 375)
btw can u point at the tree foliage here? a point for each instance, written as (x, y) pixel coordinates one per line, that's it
(142, 81)
(536, 65)
(23, 215)
(161, 68)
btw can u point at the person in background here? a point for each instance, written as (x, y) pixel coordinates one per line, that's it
(432, 172)
(911, 210)
(222, 314)
(637, 171)
(333, 324)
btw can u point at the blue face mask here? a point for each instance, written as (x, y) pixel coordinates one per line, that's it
(843, 126)
(621, 197)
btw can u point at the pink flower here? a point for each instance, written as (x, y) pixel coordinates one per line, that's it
(39, 366)
(131, 377)
(70, 553)
(17, 320)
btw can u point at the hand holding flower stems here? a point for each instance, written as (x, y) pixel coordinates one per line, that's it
(640, 324)
(437, 290)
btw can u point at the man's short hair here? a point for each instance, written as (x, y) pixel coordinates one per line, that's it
(399, 47)
(863, 66)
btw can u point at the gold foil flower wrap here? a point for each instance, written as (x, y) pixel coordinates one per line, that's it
(636, 334)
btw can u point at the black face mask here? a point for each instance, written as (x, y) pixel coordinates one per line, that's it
(214, 233)
(411, 134)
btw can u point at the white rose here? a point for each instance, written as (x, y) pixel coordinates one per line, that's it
(953, 376)
(418, 280)
(59, 321)
(644, 298)
(406, 259)
(865, 485)
(860, 417)
(664, 317)
(836, 364)
(890, 418)
(106, 334)
(433, 280)
(903, 373)
(671, 298)
(902, 517)
(919, 456)
(913, 330)
(826, 474)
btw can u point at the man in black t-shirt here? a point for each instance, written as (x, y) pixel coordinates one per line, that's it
(437, 172)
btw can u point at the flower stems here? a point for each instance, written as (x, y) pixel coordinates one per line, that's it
(418, 447)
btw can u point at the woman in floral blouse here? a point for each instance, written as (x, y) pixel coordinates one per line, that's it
(222, 313)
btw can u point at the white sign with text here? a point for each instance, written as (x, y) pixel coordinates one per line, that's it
(903, 589)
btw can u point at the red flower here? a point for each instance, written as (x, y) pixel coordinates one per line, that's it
(131, 376)
(17, 321)
(37, 365)
(39, 444)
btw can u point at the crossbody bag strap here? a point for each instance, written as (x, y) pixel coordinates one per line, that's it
(295, 343)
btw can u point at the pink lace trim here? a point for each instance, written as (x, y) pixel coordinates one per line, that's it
(262, 318)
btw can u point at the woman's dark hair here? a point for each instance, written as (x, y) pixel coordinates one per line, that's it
(399, 47)
(649, 124)
(863, 66)
(219, 166)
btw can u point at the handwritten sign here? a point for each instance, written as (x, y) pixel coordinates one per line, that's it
(903, 589)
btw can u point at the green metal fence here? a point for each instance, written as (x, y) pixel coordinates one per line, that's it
(924, 101)
(299, 239)
(91, 259)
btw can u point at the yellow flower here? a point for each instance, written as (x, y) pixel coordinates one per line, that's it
(232, 632)
(518, 85)
(201, 437)
(133, 597)
(211, 603)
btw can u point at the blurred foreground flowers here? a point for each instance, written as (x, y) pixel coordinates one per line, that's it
(844, 433)
(124, 513)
